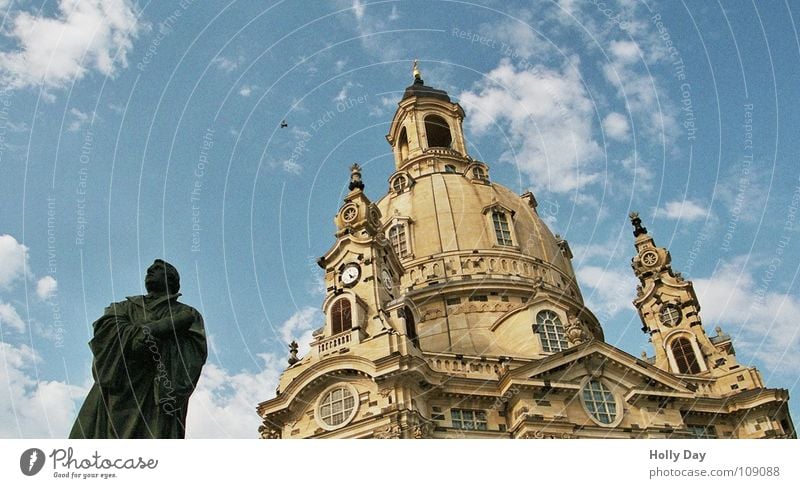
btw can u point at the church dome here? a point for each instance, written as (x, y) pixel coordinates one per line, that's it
(479, 262)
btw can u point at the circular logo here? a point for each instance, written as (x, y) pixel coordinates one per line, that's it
(31, 461)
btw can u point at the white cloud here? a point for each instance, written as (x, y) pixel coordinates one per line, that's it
(54, 51)
(300, 326)
(626, 52)
(616, 126)
(358, 10)
(547, 115)
(640, 173)
(685, 210)
(611, 290)
(639, 89)
(46, 287)
(228, 65)
(10, 318)
(223, 404)
(78, 120)
(292, 167)
(516, 35)
(116, 108)
(33, 408)
(246, 90)
(13, 260)
(610, 250)
(762, 322)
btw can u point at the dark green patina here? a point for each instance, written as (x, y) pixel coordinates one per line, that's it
(149, 351)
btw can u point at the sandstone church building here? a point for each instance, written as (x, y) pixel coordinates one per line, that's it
(452, 311)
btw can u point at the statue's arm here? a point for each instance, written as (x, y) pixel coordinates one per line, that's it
(171, 324)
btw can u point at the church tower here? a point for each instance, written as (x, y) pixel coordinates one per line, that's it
(452, 310)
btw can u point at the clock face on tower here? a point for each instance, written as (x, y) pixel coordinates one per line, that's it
(350, 274)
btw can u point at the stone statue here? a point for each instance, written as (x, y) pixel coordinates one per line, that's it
(148, 354)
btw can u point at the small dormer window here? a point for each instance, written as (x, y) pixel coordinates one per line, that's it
(501, 229)
(479, 173)
(399, 184)
(398, 237)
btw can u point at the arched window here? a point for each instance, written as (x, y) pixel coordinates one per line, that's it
(551, 331)
(399, 240)
(402, 144)
(341, 316)
(479, 173)
(449, 168)
(684, 356)
(438, 131)
(411, 326)
(501, 229)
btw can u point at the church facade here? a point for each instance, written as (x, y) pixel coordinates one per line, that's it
(453, 311)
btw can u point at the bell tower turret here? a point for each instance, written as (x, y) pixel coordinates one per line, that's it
(426, 123)
(670, 314)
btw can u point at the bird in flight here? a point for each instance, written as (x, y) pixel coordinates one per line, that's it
(284, 124)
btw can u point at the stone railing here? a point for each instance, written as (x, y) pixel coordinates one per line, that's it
(337, 341)
(441, 151)
(485, 264)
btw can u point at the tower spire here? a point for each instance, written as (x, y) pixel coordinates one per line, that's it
(355, 178)
(638, 229)
(415, 71)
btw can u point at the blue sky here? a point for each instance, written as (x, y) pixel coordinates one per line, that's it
(136, 130)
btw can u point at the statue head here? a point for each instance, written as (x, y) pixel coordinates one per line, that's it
(162, 277)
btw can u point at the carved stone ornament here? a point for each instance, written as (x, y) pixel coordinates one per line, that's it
(575, 331)
(422, 431)
(269, 432)
(389, 432)
(547, 435)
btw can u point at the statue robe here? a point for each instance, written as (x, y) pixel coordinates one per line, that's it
(142, 383)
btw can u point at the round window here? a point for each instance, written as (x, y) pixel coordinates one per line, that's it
(670, 315)
(337, 406)
(600, 403)
(399, 184)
